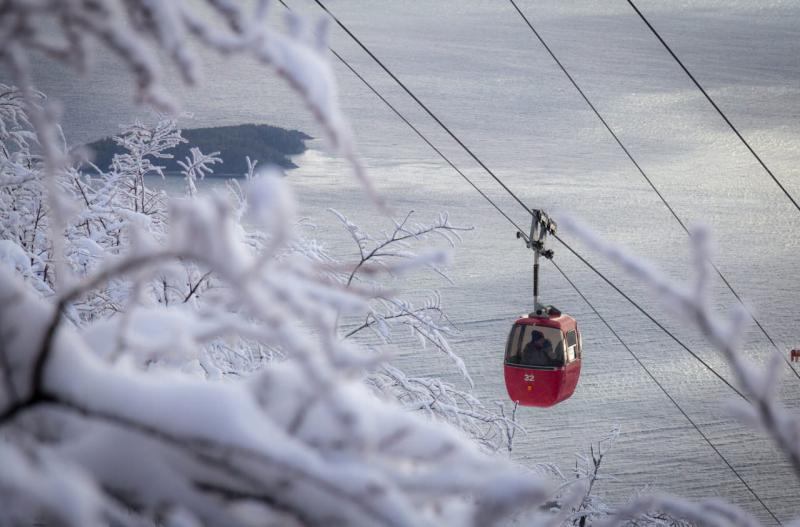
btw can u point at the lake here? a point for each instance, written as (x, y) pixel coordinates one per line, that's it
(480, 69)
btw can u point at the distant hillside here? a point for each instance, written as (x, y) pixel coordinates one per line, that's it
(267, 144)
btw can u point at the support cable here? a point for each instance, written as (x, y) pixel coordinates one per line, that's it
(665, 392)
(586, 262)
(648, 315)
(717, 108)
(426, 140)
(647, 179)
(422, 105)
(522, 233)
(418, 132)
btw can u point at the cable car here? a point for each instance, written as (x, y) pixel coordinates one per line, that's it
(543, 358)
(543, 352)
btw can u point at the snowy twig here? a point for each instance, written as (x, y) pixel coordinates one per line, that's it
(693, 304)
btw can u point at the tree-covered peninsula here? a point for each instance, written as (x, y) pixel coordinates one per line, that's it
(265, 143)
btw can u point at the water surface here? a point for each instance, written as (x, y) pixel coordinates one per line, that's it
(480, 69)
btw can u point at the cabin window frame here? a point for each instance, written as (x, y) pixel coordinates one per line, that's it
(514, 340)
(572, 345)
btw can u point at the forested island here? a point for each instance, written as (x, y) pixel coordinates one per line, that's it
(265, 143)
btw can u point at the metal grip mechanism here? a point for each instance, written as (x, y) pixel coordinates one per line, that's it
(541, 226)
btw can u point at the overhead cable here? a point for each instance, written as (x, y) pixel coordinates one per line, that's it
(665, 392)
(652, 377)
(717, 108)
(423, 106)
(648, 180)
(586, 262)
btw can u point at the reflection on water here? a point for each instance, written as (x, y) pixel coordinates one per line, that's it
(483, 73)
(657, 447)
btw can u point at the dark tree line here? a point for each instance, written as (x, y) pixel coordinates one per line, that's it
(269, 144)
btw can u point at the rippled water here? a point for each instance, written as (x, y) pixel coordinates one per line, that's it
(481, 70)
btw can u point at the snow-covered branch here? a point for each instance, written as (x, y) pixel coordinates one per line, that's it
(214, 446)
(180, 362)
(392, 251)
(197, 167)
(692, 302)
(146, 37)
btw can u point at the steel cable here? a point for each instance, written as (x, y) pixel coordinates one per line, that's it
(648, 180)
(594, 269)
(717, 108)
(581, 258)
(665, 392)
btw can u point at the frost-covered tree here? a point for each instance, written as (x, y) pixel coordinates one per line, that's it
(27, 213)
(426, 322)
(760, 409)
(144, 146)
(22, 204)
(102, 422)
(196, 167)
(113, 406)
(107, 408)
(146, 37)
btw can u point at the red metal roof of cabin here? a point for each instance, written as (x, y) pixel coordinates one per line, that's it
(562, 322)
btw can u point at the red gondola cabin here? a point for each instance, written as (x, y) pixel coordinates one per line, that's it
(543, 359)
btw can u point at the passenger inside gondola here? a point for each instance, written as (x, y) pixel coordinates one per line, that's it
(535, 346)
(539, 350)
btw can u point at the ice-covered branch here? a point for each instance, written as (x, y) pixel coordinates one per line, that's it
(146, 37)
(391, 251)
(153, 427)
(197, 167)
(713, 512)
(215, 446)
(691, 301)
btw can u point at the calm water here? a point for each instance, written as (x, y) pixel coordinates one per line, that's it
(480, 69)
